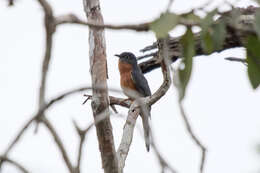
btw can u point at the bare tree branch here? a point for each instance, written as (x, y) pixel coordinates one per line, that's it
(194, 137)
(38, 115)
(114, 101)
(234, 59)
(49, 30)
(59, 143)
(82, 136)
(10, 2)
(164, 164)
(16, 164)
(73, 19)
(127, 137)
(169, 5)
(135, 109)
(100, 102)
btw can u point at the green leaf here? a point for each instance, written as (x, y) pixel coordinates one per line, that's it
(257, 1)
(207, 42)
(208, 20)
(253, 60)
(164, 24)
(191, 18)
(257, 23)
(185, 68)
(219, 35)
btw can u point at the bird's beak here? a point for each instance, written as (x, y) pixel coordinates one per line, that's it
(117, 55)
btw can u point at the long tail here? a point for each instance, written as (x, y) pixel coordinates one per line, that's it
(146, 114)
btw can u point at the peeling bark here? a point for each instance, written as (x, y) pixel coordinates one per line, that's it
(100, 100)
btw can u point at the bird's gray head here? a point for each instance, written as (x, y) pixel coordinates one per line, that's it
(127, 57)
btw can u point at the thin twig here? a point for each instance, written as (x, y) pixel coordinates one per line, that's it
(49, 30)
(194, 137)
(59, 143)
(82, 135)
(164, 164)
(169, 5)
(113, 101)
(10, 2)
(38, 115)
(147, 55)
(16, 139)
(16, 164)
(73, 19)
(234, 59)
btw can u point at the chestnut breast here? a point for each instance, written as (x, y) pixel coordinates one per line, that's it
(126, 80)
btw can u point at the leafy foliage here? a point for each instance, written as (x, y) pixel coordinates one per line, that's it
(185, 68)
(253, 60)
(257, 23)
(165, 23)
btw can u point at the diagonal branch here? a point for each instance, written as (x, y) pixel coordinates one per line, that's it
(127, 137)
(194, 137)
(59, 143)
(135, 109)
(49, 30)
(164, 164)
(113, 101)
(16, 164)
(38, 115)
(73, 19)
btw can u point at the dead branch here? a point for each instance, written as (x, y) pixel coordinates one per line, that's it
(73, 19)
(58, 142)
(164, 164)
(114, 101)
(100, 102)
(134, 110)
(38, 115)
(49, 30)
(16, 164)
(194, 137)
(127, 137)
(235, 59)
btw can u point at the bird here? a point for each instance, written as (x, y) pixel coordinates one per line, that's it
(134, 86)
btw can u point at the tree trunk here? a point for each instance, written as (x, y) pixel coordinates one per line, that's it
(100, 100)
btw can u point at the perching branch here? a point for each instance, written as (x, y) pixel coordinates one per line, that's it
(114, 101)
(135, 109)
(127, 137)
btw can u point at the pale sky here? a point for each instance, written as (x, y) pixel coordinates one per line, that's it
(220, 103)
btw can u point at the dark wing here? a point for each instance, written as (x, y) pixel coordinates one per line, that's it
(140, 82)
